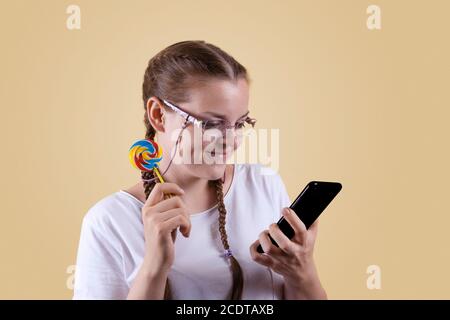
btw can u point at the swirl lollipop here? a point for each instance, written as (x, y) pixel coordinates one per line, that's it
(145, 155)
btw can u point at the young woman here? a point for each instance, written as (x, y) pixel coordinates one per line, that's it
(129, 246)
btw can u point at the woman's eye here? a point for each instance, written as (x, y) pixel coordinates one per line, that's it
(219, 125)
(212, 124)
(240, 125)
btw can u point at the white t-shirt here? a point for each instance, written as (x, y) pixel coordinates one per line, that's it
(111, 247)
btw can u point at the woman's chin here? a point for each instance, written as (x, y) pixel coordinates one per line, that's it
(209, 171)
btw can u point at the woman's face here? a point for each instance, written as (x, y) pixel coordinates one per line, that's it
(218, 101)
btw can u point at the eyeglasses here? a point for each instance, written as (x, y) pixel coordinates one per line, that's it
(210, 125)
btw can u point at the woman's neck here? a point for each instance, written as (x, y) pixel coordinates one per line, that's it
(190, 184)
(198, 197)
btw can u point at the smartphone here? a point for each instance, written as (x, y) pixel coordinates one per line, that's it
(308, 206)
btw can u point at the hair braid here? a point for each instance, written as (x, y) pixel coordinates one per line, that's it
(238, 279)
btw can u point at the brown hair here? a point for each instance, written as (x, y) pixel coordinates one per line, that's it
(169, 75)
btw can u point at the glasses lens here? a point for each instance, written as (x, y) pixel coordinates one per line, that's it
(217, 127)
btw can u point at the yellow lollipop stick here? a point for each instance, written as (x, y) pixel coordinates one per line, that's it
(158, 174)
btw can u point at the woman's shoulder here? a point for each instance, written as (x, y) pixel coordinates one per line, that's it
(257, 173)
(113, 209)
(257, 181)
(260, 178)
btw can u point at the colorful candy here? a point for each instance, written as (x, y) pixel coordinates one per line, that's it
(145, 155)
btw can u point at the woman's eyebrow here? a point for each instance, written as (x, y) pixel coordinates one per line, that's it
(244, 115)
(214, 114)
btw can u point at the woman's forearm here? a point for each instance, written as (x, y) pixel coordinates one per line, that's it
(148, 285)
(308, 288)
(314, 292)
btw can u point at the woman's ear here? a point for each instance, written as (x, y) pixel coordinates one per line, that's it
(155, 114)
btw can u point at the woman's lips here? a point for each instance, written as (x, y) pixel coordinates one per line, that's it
(220, 154)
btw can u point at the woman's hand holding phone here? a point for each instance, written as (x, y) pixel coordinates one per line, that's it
(287, 247)
(293, 258)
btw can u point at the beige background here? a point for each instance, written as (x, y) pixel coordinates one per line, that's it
(367, 108)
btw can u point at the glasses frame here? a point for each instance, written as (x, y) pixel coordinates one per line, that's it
(197, 122)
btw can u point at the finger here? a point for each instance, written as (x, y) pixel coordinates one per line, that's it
(184, 229)
(296, 224)
(267, 245)
(167, 204)
(157, 194)
(260, 258)
(169, 214)
(280, 238)
(173, 223)
(313, 229)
